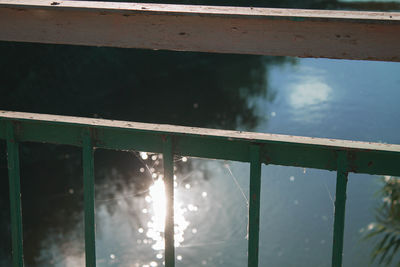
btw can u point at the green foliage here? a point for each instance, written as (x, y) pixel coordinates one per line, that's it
(387, 226)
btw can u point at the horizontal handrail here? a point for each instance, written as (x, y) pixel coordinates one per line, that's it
(241, 30)
(308, 152)
(255, 148)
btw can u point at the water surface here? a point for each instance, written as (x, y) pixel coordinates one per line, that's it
(354, 100)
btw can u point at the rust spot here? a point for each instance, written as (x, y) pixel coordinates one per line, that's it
(338, 35)
(55, 3)
(144, 7)
(234, 28)
(182, 33)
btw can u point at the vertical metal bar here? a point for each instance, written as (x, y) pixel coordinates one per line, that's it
(88, 187)
(254, 205)
(169, 192)
(15, 196)
(340, 205)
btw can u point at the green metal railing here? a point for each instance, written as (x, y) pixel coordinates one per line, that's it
(255, 148)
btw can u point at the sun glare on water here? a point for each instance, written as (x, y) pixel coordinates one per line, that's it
(155, 226)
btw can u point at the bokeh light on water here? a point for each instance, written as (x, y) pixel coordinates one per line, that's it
(157, 199)
(130, 227)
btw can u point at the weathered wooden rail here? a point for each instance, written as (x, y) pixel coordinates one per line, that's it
(261, 31)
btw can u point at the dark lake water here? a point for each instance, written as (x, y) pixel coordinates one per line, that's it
(355, 100)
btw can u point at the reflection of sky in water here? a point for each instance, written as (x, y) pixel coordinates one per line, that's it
(347, 100)
(308, 94)
(308, 88)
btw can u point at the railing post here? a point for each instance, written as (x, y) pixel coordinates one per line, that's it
(15, 196)
(169, 192)
(254, 205)
(340, 205)
(88, 188)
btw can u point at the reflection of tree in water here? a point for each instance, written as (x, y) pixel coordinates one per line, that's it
(386, 230)
(136, 85)
(195, 89)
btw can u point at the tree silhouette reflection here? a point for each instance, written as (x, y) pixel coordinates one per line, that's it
(194, 89)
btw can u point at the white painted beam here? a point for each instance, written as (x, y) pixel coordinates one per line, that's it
(261, 31)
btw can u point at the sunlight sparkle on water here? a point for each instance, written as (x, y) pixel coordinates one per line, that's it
(143, 155)
(156, 224)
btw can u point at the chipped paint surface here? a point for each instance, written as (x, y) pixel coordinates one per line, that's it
(261, 31)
